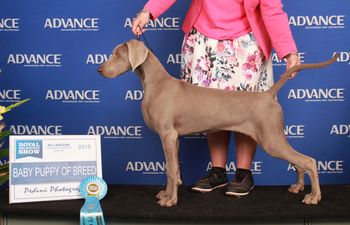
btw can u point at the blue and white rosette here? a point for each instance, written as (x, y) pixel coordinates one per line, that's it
(93, 189)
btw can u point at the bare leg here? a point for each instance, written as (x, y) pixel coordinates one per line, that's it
(245, 150)
(218, 147)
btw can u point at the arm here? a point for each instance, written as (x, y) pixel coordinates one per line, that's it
(277, 26)
(151, 10)
(158, 7)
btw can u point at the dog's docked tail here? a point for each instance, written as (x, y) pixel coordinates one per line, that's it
(275, 88)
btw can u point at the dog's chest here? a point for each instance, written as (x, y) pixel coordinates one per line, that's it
(147, 115)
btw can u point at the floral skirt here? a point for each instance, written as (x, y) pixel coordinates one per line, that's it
(237, 64)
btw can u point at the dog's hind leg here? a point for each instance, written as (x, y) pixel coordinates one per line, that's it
(170, 142)
(308, 164)
(299, 186)
(280, 148)
(269, 134)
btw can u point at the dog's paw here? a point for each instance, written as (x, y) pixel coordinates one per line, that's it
(165, 199)
(312, 199)
(168, 201)
(296, 188)
(161, 195)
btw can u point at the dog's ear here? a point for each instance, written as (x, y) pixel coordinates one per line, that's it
(137, 53)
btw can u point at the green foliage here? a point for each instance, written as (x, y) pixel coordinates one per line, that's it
(4, 153)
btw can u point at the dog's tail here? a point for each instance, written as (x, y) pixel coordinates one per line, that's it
(284, 78)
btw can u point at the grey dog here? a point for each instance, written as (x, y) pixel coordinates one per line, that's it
(173, 108)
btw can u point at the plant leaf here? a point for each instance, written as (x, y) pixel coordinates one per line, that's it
(5, 133)
(4, 179)
(4, 167)
(17, 104)
(4, 153)
(2, 126)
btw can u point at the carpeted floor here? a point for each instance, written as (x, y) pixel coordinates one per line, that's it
(138, 202)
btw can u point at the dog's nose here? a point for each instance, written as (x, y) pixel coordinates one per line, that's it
(99, 69)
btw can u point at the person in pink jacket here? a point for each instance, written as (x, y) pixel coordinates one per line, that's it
(227, 45)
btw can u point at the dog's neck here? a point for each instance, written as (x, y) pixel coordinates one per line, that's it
(151, 71)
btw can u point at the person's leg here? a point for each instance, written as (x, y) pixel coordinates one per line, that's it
(245, 150)
(243, 182)
(218, 144)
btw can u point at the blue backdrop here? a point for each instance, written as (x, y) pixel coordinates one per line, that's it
(50, 51)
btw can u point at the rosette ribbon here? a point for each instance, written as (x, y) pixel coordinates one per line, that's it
(93, 189)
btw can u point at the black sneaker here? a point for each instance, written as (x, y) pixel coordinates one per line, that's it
(242, 184)
(216, 178)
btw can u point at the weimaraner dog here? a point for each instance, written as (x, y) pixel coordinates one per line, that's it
(173, 108)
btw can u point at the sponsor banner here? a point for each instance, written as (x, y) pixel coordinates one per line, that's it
(196, 136)
(46, 168)
(134, 95)
(9, 24)
(276, 61)
(21, 129)
(340, 130)
(10, 95)
(231, 167)
(344, 57)
(73, 96)
(96, 59)
(72, 24)
(117, 132)
(143, 167)
(318, 95)
(318, 21)
(35, 60)
(326, 167)
(294, 131)
(54, 56)
(159, 24)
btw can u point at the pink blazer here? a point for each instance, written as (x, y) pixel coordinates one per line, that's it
(267, 19)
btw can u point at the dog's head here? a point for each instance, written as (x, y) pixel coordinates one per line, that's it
(126, 56)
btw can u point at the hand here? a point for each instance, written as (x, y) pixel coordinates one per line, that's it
(140, 21)
(292, 60)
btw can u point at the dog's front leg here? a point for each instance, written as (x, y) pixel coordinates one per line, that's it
(171, 151)
(299, 186)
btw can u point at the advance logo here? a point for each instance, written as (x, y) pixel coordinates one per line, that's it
(116, 132)
(159, 24)
(196, 136)
(340, 130)
(148, 168)
(318, 95)
(231, 168)
(332, 166)
(276, 61)
(318, 22)
(72, 24)
(10, 95)
(9, 24)
(294, 131)
(344, 57)
(35, 60)
(73, 96)
(96, 59)
(174, 58)
(134, 95)
(36, 129)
